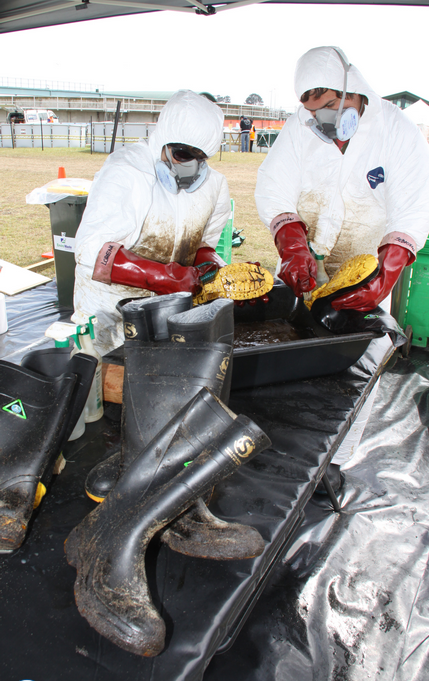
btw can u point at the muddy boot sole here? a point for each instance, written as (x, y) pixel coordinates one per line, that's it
(198, 533)
(103, 477)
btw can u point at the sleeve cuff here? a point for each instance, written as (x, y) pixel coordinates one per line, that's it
(285, 219)
(401, 239)
(104, 262)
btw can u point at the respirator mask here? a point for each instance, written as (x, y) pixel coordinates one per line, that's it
(329, 124)
(188, 173)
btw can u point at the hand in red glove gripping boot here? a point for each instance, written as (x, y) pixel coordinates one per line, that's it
(392, 259)
(208, 254)
(298, 269)
(116, 265)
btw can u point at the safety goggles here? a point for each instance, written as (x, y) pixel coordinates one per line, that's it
(183, 153)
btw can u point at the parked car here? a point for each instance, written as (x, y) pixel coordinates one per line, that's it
(32, 116)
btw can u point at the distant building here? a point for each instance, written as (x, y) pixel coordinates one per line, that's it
(83, 104)
(404, 99)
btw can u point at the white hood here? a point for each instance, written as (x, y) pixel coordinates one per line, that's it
(191, 119)
(322, 67)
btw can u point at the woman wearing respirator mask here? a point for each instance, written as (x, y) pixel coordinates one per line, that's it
(154, 216)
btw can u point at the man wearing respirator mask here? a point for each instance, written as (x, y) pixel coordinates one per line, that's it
(348, 174)
(154, 216)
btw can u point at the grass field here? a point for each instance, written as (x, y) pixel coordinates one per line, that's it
(25, 231)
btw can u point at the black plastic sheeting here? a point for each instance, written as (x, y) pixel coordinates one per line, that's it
(350, 599)
(29, 314)
(346, 599)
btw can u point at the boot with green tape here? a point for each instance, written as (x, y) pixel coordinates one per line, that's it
(108, 547)
(33, 419)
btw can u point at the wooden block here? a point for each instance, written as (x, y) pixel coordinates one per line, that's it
(113, 381)
(40, 266)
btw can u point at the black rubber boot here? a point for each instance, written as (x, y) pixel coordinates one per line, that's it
(159, 379)
(198, 532)
(212, 323)
(145, 319)
(108, 547)
(33, 411)
(56, 361)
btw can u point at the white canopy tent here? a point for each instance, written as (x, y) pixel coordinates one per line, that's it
(18, 15)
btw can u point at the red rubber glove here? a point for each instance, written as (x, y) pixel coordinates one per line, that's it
(130, 269)
(298, 268)
(207, 254)
(392, 259)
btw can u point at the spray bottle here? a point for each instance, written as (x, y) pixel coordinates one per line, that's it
(83, 335)
(60, 336)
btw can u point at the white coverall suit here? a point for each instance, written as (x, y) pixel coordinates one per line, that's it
(127, 204)
(376, 193)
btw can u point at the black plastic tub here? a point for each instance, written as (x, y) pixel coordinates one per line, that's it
(320, 355)
(296, 360)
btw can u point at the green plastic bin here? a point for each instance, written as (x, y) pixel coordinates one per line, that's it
(266, 139)
(410, 298)
(224, 247)
(65, 215)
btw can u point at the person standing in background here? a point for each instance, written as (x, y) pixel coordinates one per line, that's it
(245, 125)
(251, 136)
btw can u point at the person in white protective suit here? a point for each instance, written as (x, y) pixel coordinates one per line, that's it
(155, 213)
(348, 175)
(348, 182)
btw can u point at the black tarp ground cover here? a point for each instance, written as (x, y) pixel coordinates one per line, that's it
(347, 600)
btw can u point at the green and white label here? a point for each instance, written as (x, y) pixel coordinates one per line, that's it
(16, 408)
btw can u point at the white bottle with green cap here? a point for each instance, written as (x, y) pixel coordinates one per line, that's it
(322, 277)
(83, 334)
(59, 334)
(83, 338)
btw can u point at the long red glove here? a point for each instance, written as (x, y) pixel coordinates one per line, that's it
(130, 269)
(208, 254)
(298, 268)
(392, 259)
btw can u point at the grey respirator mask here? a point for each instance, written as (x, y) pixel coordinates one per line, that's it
(188, 173)
(341, 124)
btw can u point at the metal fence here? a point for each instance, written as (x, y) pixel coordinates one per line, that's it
(127, 133)
(99, 136)
(17, 135)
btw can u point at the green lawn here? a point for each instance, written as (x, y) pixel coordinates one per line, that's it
(25, 231)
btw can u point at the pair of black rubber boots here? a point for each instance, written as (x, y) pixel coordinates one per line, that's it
(174, 352)
(178, 440)
(40, 403)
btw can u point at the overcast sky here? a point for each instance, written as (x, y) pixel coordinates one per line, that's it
(235, 53)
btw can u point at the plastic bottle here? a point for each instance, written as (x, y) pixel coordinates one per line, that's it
(83, 340)
(82, 334)
(79, 428)
(322, 277)
(59, 334)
